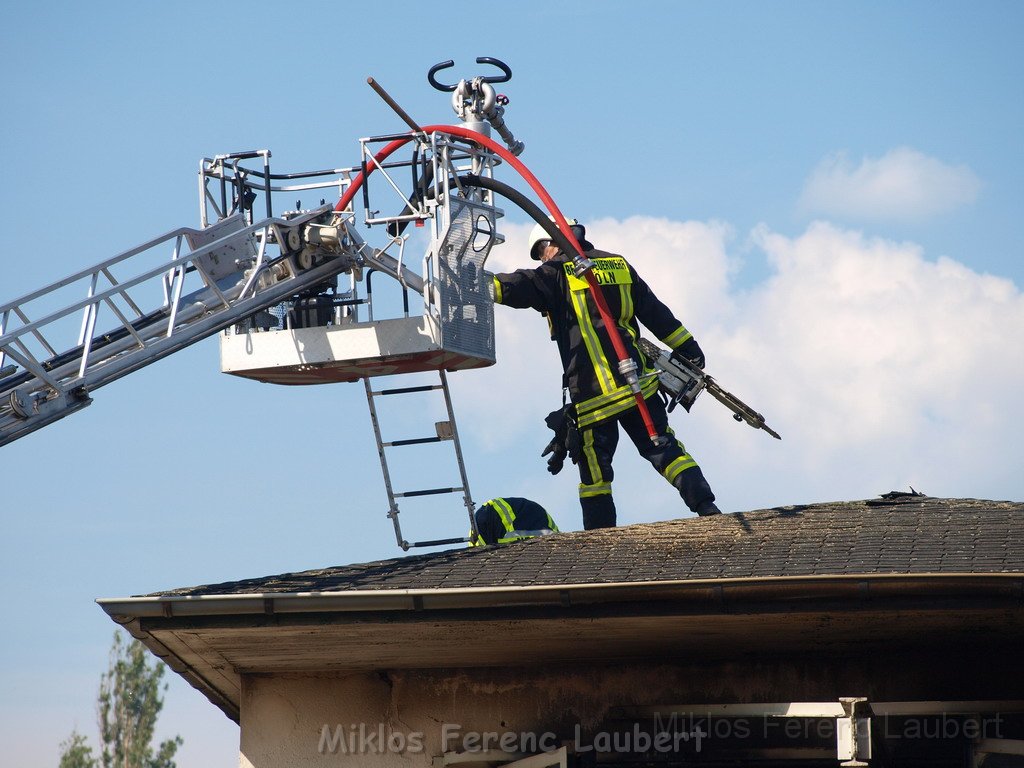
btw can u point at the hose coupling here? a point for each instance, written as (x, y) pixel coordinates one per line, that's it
(582, 265)
(627, 368)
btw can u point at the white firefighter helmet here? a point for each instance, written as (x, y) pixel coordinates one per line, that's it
(539, 234)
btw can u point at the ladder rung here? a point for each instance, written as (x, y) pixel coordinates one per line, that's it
(429, 492)
(416, 441)
(404, 390)
(439, 542)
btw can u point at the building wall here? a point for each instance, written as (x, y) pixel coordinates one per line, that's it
(405, 717)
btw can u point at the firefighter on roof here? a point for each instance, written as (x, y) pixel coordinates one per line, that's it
(601, 401)
(503, 520)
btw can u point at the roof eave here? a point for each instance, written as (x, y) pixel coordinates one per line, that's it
(384, 600)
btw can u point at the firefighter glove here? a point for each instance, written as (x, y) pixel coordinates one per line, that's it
(562, 423)
(558, 453)
(557, 423)
(690, 350)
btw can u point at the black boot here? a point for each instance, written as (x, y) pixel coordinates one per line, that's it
(696, 493)
(598, 512)
(707, 508)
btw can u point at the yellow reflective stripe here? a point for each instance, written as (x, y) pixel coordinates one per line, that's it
(590, 455)
(677, 337)
(626, 314)
(622, 403)
(497, 290)
(596, 417)
(504, 512)
(600, 401)
(673, 470)
(602, 369)
(551, 524)
(478, 541)
(625, 322)
(647, 386)
(595, 489)
(626, 309)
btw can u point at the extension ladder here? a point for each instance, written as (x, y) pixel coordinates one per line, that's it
(444, 432)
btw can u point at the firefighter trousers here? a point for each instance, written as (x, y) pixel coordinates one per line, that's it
(597, 449)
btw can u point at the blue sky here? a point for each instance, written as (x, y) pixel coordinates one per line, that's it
(828, 194)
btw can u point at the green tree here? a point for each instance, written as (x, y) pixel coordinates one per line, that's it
(129, 701)
(75, 752)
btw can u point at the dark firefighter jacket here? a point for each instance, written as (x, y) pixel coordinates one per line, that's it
(592, 376)
(500, 521)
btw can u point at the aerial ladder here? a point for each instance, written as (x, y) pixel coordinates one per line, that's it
(270, 281)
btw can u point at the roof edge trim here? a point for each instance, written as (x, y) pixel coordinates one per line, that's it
(477, 597)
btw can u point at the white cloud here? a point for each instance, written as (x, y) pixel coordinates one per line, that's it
(885, 343)
(904, 184)
(881, 369)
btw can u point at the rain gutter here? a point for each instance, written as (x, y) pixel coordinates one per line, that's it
(565, 595)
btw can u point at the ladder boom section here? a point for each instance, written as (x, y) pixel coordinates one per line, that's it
(53, 353)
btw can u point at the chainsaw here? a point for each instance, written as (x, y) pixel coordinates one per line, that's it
(682, 381)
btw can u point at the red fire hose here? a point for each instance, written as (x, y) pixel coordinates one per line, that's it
(627, 367)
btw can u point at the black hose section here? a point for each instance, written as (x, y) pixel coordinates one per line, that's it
(366, 190)
(413, 166)
(529, 207)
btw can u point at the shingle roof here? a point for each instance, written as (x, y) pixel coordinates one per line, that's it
(897, 533)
